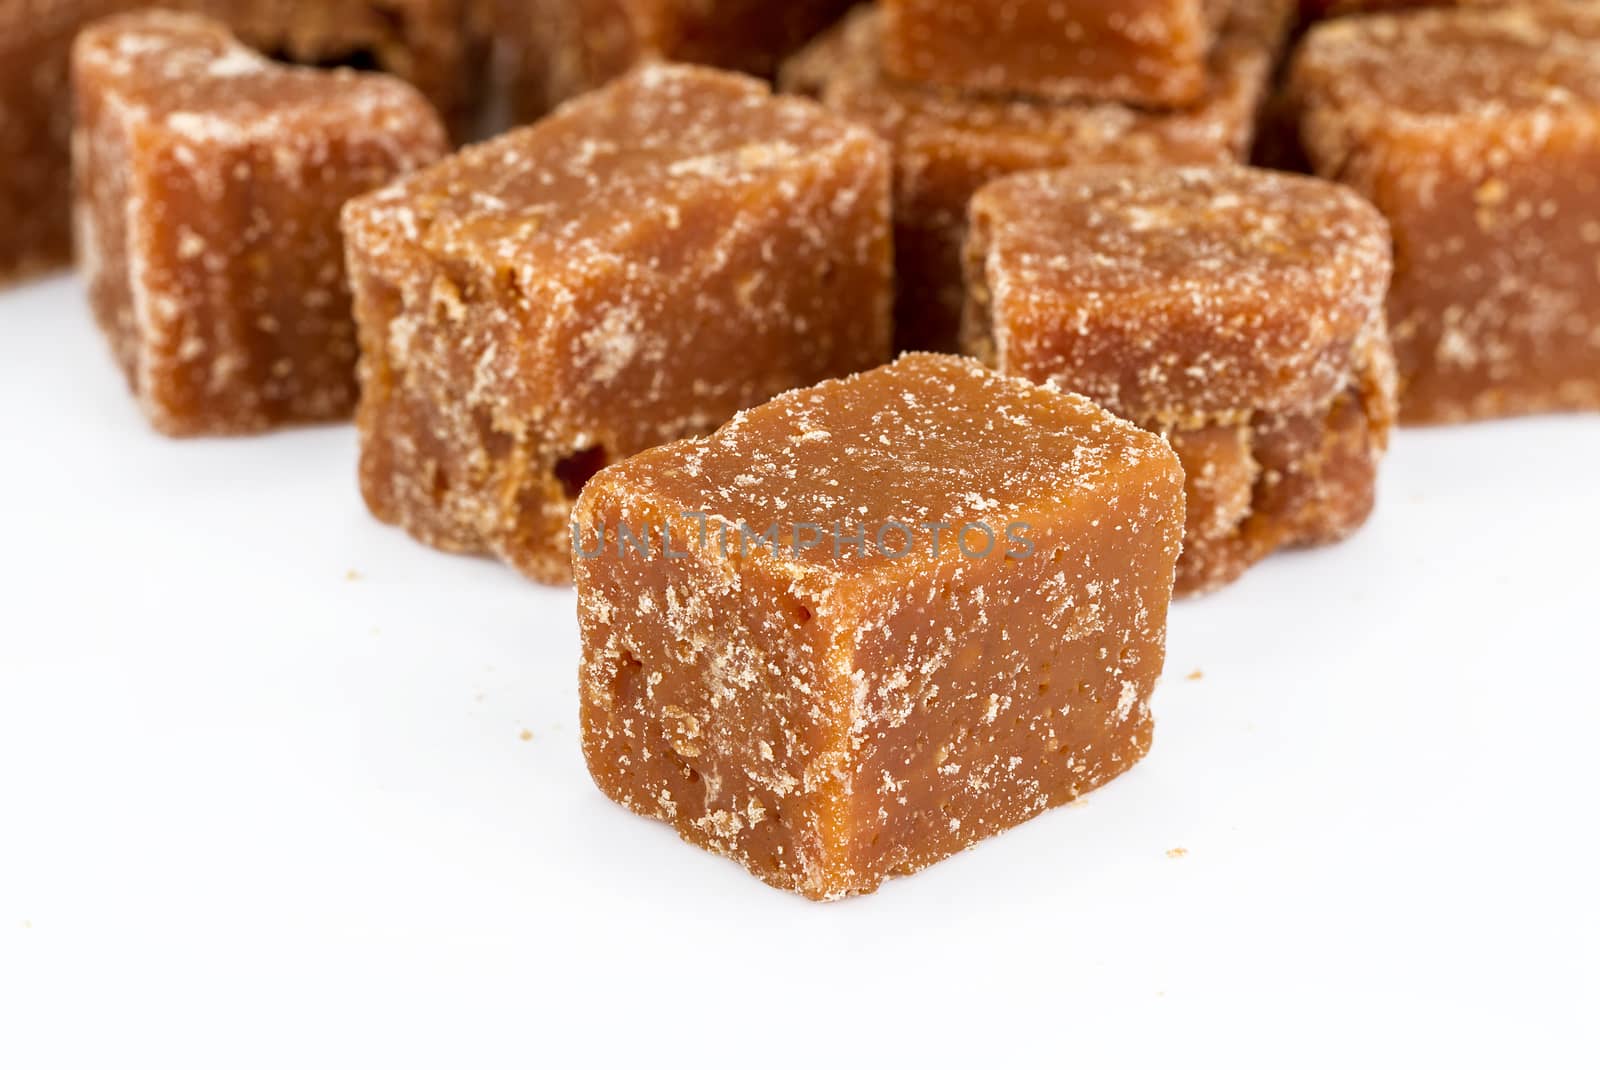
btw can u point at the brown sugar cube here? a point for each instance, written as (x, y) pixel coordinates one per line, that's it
(1147, 52)
(948, 145)
(638, 267)
(868, 624)
(561, 48)
(1478, 134)
(1240, 312)
(427, 42)
(210, 185)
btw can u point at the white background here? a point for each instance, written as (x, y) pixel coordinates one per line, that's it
(266, 800)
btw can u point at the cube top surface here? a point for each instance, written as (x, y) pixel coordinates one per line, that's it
(192, 77)
(1202, 231)
(612, 165)
(1430, 67)
(927, 440)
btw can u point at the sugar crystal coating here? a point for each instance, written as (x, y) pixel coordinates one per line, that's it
(1147, 52)
(638, 267)
(1239, 311)
(210, 182)
(948, 145)
(1477, 133)
(831, 718)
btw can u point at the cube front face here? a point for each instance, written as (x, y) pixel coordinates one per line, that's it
(1146, 52)
(831, 717)
(232, 334)
(210, 237)
(1496, 302)
(709, 694)
(1240, 312)
(739, 248)
(946, 148)
(1478, 135)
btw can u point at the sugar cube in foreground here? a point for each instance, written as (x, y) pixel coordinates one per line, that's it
(868, 624)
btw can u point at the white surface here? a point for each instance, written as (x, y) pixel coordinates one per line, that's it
(258, 809)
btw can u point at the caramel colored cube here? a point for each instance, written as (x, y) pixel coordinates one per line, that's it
(1477, 133)
(1146, 52)
(1240, 312)
(868, 624)
(638, 267)
(948, 145)
(210, 185)
(562, 48)
(427, 42)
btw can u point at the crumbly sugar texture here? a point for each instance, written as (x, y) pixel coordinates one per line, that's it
(1477, 133)
(561, 48)
(644, 263)
(1151, 53)
(1240, 312)
(210, 182)
(427, 42)
(948, 144)
(832, 713)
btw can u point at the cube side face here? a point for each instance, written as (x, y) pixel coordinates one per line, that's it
(994, 688)
(707, 700)
(1496, 302)
(1151, 52)
(430, 453)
